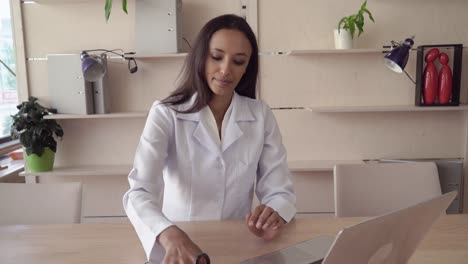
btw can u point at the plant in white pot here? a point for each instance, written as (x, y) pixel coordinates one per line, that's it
(36, 134)
(344, 34)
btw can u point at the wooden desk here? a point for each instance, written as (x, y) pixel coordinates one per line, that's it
(226, 242)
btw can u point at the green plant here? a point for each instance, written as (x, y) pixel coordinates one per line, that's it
(108, 7)
(34, 132)
(354, 21)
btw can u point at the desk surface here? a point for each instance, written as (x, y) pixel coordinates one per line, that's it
(225, 242)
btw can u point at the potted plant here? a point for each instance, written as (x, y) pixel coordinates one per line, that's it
(344, 34)
(36, 134)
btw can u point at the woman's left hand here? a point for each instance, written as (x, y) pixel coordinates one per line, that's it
(264, 222)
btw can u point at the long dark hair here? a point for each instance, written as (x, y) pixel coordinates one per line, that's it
(192, 76)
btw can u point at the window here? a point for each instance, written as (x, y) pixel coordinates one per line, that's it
(8, 84)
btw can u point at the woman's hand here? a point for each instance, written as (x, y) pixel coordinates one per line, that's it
(179, 247)
(264, 222)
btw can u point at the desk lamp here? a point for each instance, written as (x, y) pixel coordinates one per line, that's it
(93, 66)
(397, 58)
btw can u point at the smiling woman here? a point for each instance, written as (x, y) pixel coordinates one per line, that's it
(207, 148)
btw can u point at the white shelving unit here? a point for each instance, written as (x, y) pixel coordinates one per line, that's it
(317, 165)
(96, 116)
(48, 2)
(168, 55)
(291, 53)
(335, 51)
(98, 170)
(119, 170)
(388, 108)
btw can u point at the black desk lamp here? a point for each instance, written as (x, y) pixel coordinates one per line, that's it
(94, 66)
(397, 58)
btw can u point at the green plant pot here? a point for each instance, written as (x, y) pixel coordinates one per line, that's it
(42, 163)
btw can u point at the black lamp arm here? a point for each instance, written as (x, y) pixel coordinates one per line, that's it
(106, 51)
(409, 76)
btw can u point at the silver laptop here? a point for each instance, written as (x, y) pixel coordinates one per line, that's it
(390, 238)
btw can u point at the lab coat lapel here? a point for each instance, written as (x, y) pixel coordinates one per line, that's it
(240, 112)
(201, 133)
(204, 137)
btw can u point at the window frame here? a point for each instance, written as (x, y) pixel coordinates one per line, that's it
(7, 143)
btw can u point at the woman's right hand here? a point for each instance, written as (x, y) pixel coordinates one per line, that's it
(179, 247)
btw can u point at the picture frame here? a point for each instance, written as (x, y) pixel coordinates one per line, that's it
(455, 53)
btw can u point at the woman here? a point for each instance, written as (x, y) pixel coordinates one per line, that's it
(205, 148)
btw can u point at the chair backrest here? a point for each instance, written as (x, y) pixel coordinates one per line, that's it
(372, 189)
(40, 203)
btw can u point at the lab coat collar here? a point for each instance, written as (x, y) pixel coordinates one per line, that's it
(240, 110)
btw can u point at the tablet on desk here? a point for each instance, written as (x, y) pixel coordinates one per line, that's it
(390, 238)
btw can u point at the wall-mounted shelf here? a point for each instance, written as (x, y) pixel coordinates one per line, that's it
(317, 165)
(292, 53)
(167, 55)
(101, 170)
(47, 2)
(335, 51)
(119, 170)
(387, 108)
(95, 116)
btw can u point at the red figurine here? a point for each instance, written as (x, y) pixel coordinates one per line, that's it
(445, 80)
(430, 78)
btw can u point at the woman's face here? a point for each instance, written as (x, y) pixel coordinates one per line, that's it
(228, 57)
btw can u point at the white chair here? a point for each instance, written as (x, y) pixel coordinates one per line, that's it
(40, 203)
(372, 189)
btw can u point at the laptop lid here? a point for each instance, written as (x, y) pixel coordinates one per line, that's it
(391, 238)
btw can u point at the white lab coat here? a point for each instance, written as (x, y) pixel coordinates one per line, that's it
(182, 173)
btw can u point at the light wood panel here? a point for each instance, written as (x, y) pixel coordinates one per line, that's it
(304, 24)
(314, 191)
(103, 198)
(118, 244)
(358, 136)
(98, 142)
(333, 80)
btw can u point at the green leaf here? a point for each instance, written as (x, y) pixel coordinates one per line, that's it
(124, 6)
(370, 15)
(360, 26)
(107, 9)
(363, 6)
(342, 21)
(351, 25)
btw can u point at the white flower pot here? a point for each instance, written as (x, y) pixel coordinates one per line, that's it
(343, 39)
